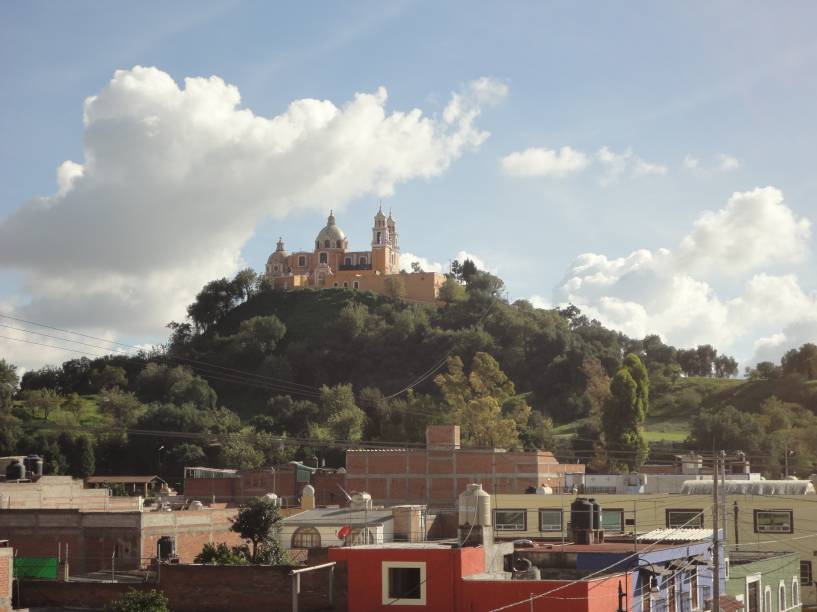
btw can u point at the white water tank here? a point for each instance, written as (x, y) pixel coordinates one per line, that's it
(544, 490)
(361, 501)
(196, 505)
(475, 506)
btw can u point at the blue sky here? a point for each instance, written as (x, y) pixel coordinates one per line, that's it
(668, 82)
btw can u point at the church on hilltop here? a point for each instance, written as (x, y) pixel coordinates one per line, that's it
(333, 265)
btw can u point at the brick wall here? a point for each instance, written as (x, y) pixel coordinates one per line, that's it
(191, 588)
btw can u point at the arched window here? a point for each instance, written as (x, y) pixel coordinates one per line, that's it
(337, 243)
(767, 599)
(306, 537)
(323, 258)
(781, 597)
(795, 592)
(326, 244)
(377, 240)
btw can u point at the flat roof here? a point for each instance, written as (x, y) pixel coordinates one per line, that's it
(121, 479)
(338, 516)
(605, 547)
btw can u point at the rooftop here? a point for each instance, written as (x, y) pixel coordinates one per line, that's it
(676, 535)
(339, 516)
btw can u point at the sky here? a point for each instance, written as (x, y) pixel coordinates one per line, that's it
(651, 163)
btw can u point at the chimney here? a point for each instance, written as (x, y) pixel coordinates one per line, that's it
(443, 437)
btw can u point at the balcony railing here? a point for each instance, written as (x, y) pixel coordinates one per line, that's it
(366, 266)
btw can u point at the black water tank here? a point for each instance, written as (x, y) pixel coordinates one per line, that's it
(581, 514)
(15, 471)
(34, 465)
(167, 547)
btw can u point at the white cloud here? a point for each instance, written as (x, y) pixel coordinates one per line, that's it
(538, 162)
(406, 259)
(175, 180)
(540, 301)
(754, 229)
(668, 291)
(626, 163)
(722, 163)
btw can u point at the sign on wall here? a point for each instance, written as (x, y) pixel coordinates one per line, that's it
(774, 521)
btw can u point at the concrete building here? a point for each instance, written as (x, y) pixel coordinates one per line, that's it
(435, 475)
(768, 581)
(6, 575)
(94, 541)
(755, 522)
(332, 264)
(473, 573)
(63, 492)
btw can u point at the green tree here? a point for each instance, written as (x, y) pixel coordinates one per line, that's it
(108, 377)
(416, 267)
(452, 291)
(725, 366)
(259, 522)
(624, 413)
(124, 407)
(140, 601)
(221, 554)
(395, 286)
(240, 451)
(725, 428)
(244, 283)
(79, 454)
(42, 401)
(802, 361)
(475, 402)
(8, 384)
(340, 414)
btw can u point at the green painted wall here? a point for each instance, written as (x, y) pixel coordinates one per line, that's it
(783, 566)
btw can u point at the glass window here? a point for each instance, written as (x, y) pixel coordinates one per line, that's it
(767, 599)
(774, 521)
(326, 244)
(337, 243)
(345, 285)
(404, 582)
(322, 258)
(687, 519)
(378, 238)
(805, 573)
(301, 261)
(795, 592)
(612, 520)
(550, 520)
(362, 261)
(306, 537)
(781, 597)
(356, 285)
(510, 520)
(347, 261)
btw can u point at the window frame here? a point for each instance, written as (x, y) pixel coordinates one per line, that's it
(685, 524)
(620, 528)
(385, 584)
(524, 519)
(810, 579)
(561, 513)
(795, 591)
(323, 257)
(301, 261)
(757, 512)
(355, 285)
(781, 595)
(305, 530)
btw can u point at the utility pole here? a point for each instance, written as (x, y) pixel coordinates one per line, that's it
(723, 499)
(716, 553)
(787, 462)
(737, 534)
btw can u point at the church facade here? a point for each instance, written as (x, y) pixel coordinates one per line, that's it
(332, 265)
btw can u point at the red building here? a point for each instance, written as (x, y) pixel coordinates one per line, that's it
(436, 576)
(435, 475)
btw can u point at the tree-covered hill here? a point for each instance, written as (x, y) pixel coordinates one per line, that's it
(322, 369)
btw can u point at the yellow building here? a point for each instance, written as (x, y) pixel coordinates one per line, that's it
(333, 265)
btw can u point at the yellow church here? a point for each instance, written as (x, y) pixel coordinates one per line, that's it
(333, 265)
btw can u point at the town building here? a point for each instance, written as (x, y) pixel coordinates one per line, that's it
(6, 575)
(765, 580)
(761, 516)
(332, 265)
(473, 573)
(435, 475)
(62, 492)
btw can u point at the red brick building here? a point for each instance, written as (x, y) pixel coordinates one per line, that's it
(6, 575)
(437, 474)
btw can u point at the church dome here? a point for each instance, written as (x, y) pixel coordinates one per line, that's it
(331, 232)
(280, 254)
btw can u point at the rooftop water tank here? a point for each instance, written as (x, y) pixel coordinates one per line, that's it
(15, 471)
(34, 465)
(581, 514)
(361, 500)
(196, 505)
(596, 513)
(544, 490)
(475, 506)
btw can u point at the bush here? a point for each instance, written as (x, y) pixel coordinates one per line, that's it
(140, 601)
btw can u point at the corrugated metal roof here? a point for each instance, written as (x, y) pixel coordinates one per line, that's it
(676, 535)
(338, 516)
(751, 487)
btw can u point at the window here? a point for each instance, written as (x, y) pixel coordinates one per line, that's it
(685, 519)
(753, 599)
(550, 520)
(795, 592)
(345, 285)
(805, 573)
(326, 244)
(362, 260)
(377, 240)
(334, 284)
(355, 285)
(612, 520)
(275, 268)
(306, 537)
(403, 583)
(767, 599)
(347, 261)
(323, 258)
(774, 521)
(337, 243)
(781, 596)
(510, 520)
(317, 244)
(301, 261)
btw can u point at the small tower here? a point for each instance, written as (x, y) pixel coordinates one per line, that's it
(395, 249)
(381, 244)
(277, 264)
